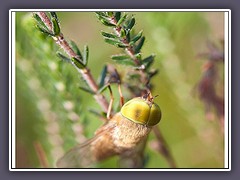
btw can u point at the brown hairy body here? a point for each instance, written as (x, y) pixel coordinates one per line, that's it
(118, 136)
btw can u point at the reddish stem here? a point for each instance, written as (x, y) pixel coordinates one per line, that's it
(85, 72)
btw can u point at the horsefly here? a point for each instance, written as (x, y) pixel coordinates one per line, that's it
(121, 134)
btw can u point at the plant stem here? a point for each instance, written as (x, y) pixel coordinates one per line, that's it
(162, 147)
(41, 155)
(45, 19)
(129, 50)
(85, 72)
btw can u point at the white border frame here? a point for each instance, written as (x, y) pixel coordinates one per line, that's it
(227, 79)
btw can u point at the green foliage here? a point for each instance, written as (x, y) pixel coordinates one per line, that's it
(123, 37)
(103, 76)
(55, 31)
(49, 89)
(86, 90)
(63, 58)
(123, 59)
(56, 28)
(85, 55)
(75, 49)
(139, 46)
(79, 62)
(42, 78)
(136, 37)
(147, 62)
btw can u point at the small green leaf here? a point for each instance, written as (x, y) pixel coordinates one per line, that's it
(127, 62)
(109, 35)
(117, 16)
(103, 76)
(120, 57)
(153, 73)
(131, 24)
(122, 33)
(122, 45)
(123, 59)
(122, 19)
(147, 62)
(85, 55)
(78, 63)
(107, 23)
(86, 89)
(112, 41)
(63, 58)
(39, 21)
(100, 14)
(37, 18)
(137, 37)
(54, 15)
(56, 28)
(138, 56)
(75, 49)
(45, 31)
(110, 13)
(140, 44)
(97, 113)
(41, 26)
(103, 88)
(131, 44)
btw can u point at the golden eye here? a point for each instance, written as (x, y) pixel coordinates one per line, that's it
(155, 115)
(141, 111)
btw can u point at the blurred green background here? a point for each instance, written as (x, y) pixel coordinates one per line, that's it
(52, 113)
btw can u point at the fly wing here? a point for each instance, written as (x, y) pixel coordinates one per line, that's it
(78, 157)
(81, 155)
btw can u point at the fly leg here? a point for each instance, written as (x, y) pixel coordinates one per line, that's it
(114, 77)
(110, 103)
(111, 76)
(121, 95)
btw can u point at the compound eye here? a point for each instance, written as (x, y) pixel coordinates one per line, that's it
(136, 110)
(155, 115)
(142, 111)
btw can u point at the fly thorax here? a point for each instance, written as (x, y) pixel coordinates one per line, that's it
(128, 133)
